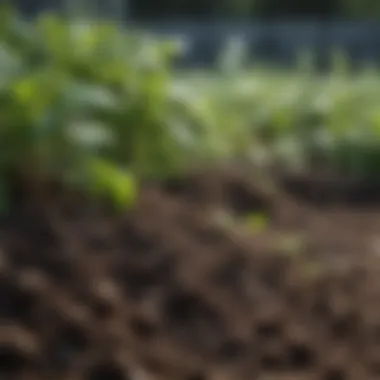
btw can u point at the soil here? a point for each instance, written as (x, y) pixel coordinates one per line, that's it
(184, 287)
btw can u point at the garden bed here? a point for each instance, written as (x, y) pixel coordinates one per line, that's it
(228, 272)
(190, 284)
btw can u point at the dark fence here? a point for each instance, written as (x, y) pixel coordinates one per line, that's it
(277, 42)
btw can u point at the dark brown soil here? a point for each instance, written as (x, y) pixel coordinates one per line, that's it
(184, 288)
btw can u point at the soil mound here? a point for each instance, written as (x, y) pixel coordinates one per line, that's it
(182, 287)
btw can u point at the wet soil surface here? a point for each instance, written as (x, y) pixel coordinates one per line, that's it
(186, 287)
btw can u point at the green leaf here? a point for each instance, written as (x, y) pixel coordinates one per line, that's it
(25, 89)
(10, 65)
(91, 97)
(108, 180)
(257, 222)
(91, 134)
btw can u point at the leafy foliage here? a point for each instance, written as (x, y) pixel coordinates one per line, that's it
(89, 102)
(301, 118)
(98, 107)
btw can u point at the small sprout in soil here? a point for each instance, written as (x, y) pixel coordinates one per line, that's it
(106, 180)
(256, 222)
(292, 244)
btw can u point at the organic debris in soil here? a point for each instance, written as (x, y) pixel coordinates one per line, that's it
(166, 289)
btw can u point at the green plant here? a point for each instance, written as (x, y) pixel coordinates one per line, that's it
(52, 93)
(84, 101)
(101, 108)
